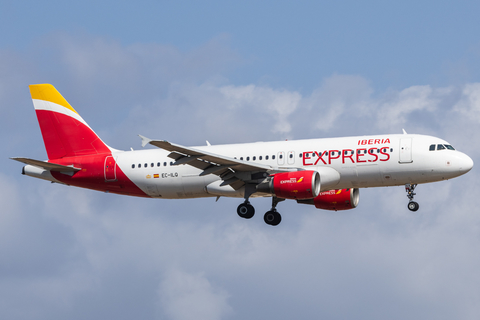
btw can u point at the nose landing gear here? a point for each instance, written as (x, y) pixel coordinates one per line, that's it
(412, 205)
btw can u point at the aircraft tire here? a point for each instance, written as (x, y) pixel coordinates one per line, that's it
(272, 218)
(413, 206)
(245, 210)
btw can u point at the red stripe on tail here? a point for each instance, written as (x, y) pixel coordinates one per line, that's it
(65, 136)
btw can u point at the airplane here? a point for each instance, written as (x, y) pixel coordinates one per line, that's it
(326, 173)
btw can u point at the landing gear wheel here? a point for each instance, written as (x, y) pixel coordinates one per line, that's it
(272, 218)
(246, 210)
(413, 206)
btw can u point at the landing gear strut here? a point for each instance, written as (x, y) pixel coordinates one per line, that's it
(412, 205)
(245, 209)
(272, 217)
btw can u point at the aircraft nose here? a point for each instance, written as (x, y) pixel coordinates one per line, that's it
(466, 164)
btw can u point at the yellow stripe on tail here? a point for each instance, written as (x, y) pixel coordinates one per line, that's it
(47, 92)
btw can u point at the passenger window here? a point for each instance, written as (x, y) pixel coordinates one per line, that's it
(152, 165)
(164, 164)
(440, 147)
(248, 158)
(260, 158)
(146, 165)
(300, 155)
(133, 166)
(171, 163)
(254, 158)
(291, 156)
(391, 149)
(158, 164)
(273, 157)
(281, 156)
(241, 158)
(139, 165)
(266, 157)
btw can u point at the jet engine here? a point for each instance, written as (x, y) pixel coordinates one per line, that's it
(340, 199)
(297, 185)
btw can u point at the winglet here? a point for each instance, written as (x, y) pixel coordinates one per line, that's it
(145, 140)
(404, 132)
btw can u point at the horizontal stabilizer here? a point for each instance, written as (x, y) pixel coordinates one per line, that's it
(47, 165)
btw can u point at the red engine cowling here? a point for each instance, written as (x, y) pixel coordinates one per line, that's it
(340, 199)
(296, 185)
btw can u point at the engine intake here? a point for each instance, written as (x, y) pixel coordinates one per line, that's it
(297, 185)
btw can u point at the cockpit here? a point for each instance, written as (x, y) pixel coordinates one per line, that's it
(437, 147)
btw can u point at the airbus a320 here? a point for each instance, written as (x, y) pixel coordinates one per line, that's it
(326, 173)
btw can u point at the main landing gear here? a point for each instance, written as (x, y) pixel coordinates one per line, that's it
(246, 210)
(272, 217)
(412, 205)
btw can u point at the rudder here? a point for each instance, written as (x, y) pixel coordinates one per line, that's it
(64, 131)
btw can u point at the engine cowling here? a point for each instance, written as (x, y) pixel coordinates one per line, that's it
(297, 185)
(340, 199)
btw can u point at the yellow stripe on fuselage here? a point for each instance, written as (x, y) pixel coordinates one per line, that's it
(47, 92)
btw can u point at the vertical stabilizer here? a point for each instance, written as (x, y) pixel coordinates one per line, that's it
(64, 132)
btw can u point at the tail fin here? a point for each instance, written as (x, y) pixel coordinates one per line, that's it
(64, 132)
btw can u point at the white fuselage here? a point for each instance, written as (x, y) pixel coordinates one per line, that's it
(350, 162)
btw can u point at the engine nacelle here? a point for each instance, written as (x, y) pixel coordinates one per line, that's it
(297, 185)
(340, 199)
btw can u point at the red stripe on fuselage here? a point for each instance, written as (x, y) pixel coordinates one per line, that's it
(92, 175)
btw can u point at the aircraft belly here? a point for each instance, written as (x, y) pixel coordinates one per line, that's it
(369, 174)
(194, 185)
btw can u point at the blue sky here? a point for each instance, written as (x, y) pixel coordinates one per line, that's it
(223, 71)
(290, 44)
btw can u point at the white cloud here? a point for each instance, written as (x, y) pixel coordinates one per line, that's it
(185, 296)
(73, 253)
(276, 104)
(469, 103)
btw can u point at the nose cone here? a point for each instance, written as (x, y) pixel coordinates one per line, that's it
(466, 164)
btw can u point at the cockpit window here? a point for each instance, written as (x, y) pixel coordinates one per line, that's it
(434, 147)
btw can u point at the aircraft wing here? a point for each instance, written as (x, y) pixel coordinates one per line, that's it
(47, 165)
(234, 172)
